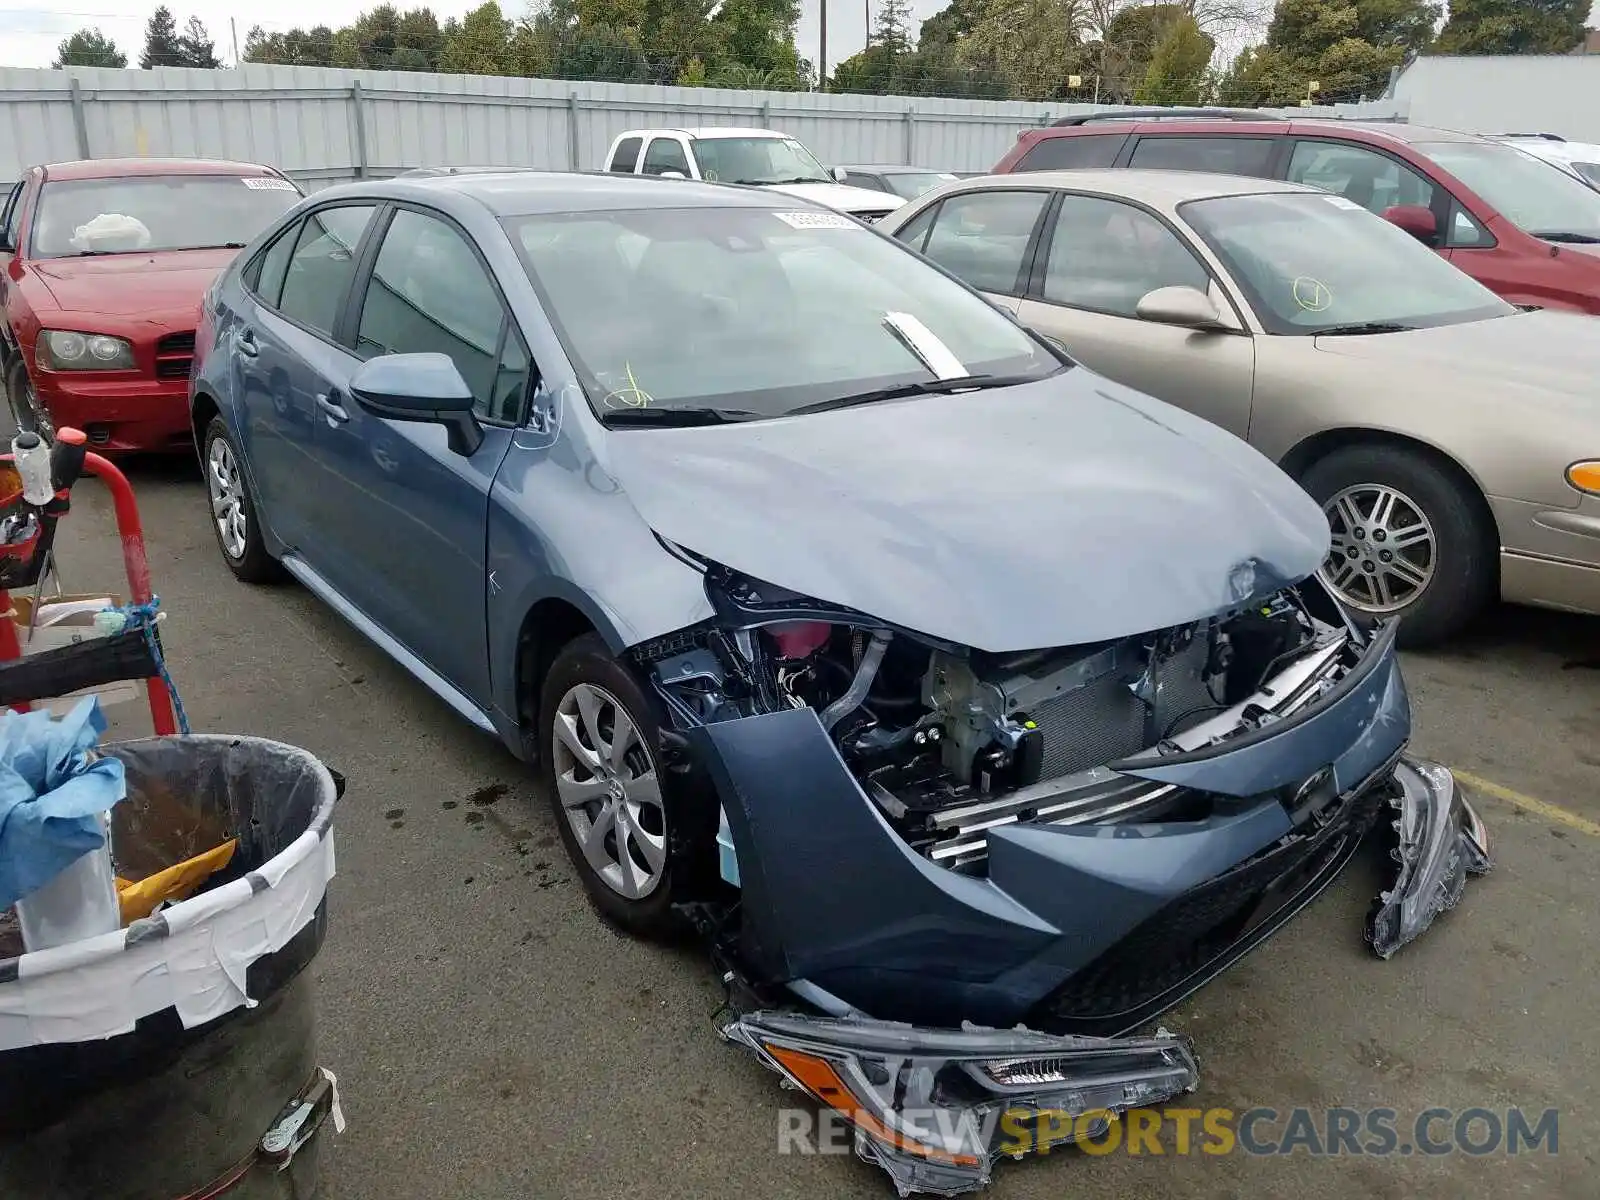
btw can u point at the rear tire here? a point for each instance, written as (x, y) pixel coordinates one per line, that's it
(1409, 540)
(233, 509)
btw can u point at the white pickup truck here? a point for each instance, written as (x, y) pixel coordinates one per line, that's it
(758, 157)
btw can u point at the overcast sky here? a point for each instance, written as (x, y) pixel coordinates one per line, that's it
(29, 36)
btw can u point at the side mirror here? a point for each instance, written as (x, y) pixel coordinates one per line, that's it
(673, 175)
(1184, 306)
(839, 174)
(419, 387)
(1415, 219)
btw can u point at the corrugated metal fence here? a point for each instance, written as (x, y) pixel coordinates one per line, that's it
(324, 126)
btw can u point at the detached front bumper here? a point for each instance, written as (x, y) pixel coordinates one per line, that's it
(1441, 840)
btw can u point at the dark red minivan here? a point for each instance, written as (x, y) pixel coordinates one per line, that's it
(1516, 224)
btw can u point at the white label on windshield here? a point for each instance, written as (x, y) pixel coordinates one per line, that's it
(816, 220)
(1341, 202)
(266, 183)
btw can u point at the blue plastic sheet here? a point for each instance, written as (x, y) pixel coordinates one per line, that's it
(50, 792)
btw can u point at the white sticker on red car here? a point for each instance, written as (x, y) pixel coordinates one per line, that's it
(816, 220)
(1341, 202)
(266, 183)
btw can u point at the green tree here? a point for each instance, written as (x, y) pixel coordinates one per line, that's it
(479, 44)
(89, 48)
(295, 47)
(162, 47)
(196, 47)
(1179, 66)
(1513, 27)
(1036, 44)
(1346, 47)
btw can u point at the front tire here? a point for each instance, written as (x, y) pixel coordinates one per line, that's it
(601, 765)
(233, 510)
(1409, 540)
(27, 411)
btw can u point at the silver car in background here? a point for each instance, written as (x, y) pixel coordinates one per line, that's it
(1452, 438)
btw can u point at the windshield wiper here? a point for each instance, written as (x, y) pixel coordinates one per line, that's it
(1562, 235)
(668, 418)
(902, 391)
(1360, 327)
(796, 179)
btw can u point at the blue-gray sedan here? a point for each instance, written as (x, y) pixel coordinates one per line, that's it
(935, 678)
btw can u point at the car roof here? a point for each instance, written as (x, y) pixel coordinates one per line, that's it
(1211, 124)
(704, 132)
(121, 168)
(519, 193)
(1163, 189)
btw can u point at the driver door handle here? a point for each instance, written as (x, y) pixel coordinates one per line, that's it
(245, 343)
(329, 404)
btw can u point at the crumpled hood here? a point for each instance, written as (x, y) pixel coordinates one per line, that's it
(842, 196)
(1065, 511)
(131, 285)
(1557, 352)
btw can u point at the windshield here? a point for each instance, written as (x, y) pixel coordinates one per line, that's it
(155, 212)
(755, 311)
(757, 160)
(912, 184)
(1535, 196)
(1311, 263)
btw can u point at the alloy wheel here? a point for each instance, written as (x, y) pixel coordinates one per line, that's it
(1384, 550)
(226, 489)
(609, 791)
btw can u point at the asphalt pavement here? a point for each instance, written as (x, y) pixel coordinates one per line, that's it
(495, 1041)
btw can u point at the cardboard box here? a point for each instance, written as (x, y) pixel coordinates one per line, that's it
(63, 621)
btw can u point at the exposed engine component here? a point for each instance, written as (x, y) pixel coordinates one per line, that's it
(949, 742)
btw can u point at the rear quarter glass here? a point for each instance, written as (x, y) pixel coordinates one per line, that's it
(1064, 151)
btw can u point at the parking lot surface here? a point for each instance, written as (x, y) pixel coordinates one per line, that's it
(493, 1039)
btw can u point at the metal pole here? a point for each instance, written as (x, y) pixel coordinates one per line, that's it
(80, 125)
(361, 129)
(822, 52)
(572, 132)
(233, 30)
(911, 135)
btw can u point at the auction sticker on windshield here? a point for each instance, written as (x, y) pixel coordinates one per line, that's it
(265, 183)
(1342, 202)
(817, 220)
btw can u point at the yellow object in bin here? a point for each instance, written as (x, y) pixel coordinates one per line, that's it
(176, 883)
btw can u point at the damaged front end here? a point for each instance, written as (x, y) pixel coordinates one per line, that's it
(1027, 855)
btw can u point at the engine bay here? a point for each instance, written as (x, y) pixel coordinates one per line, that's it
(948, 741)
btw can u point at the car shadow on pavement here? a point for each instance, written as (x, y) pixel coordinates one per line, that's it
(1571, 639)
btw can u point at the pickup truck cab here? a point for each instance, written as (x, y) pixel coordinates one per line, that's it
(754, 157)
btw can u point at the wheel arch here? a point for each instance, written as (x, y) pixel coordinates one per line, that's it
(1319, 445)
(202, 409)
(550, 623)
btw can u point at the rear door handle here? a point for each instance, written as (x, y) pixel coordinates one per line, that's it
(331, 408)
(245, 343)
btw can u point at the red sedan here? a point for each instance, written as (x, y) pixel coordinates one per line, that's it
(103, 265)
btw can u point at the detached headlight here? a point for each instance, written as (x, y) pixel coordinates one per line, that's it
(936, 1107)
(1585, 476)
(61, 350)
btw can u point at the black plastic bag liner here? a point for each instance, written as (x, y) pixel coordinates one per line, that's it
(149, 1062)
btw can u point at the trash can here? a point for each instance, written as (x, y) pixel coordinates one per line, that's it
(176, 1059)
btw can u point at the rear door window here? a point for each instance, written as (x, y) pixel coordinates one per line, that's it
(264, 275)
(317, 281)
(627, 156)
(1223, 153)
(983, 238)
(1073, 150)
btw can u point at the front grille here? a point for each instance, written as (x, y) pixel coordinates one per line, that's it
(1200, 927)
(1103, 722)
(174, 354)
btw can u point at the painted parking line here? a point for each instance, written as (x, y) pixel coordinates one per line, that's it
(1543, 808)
